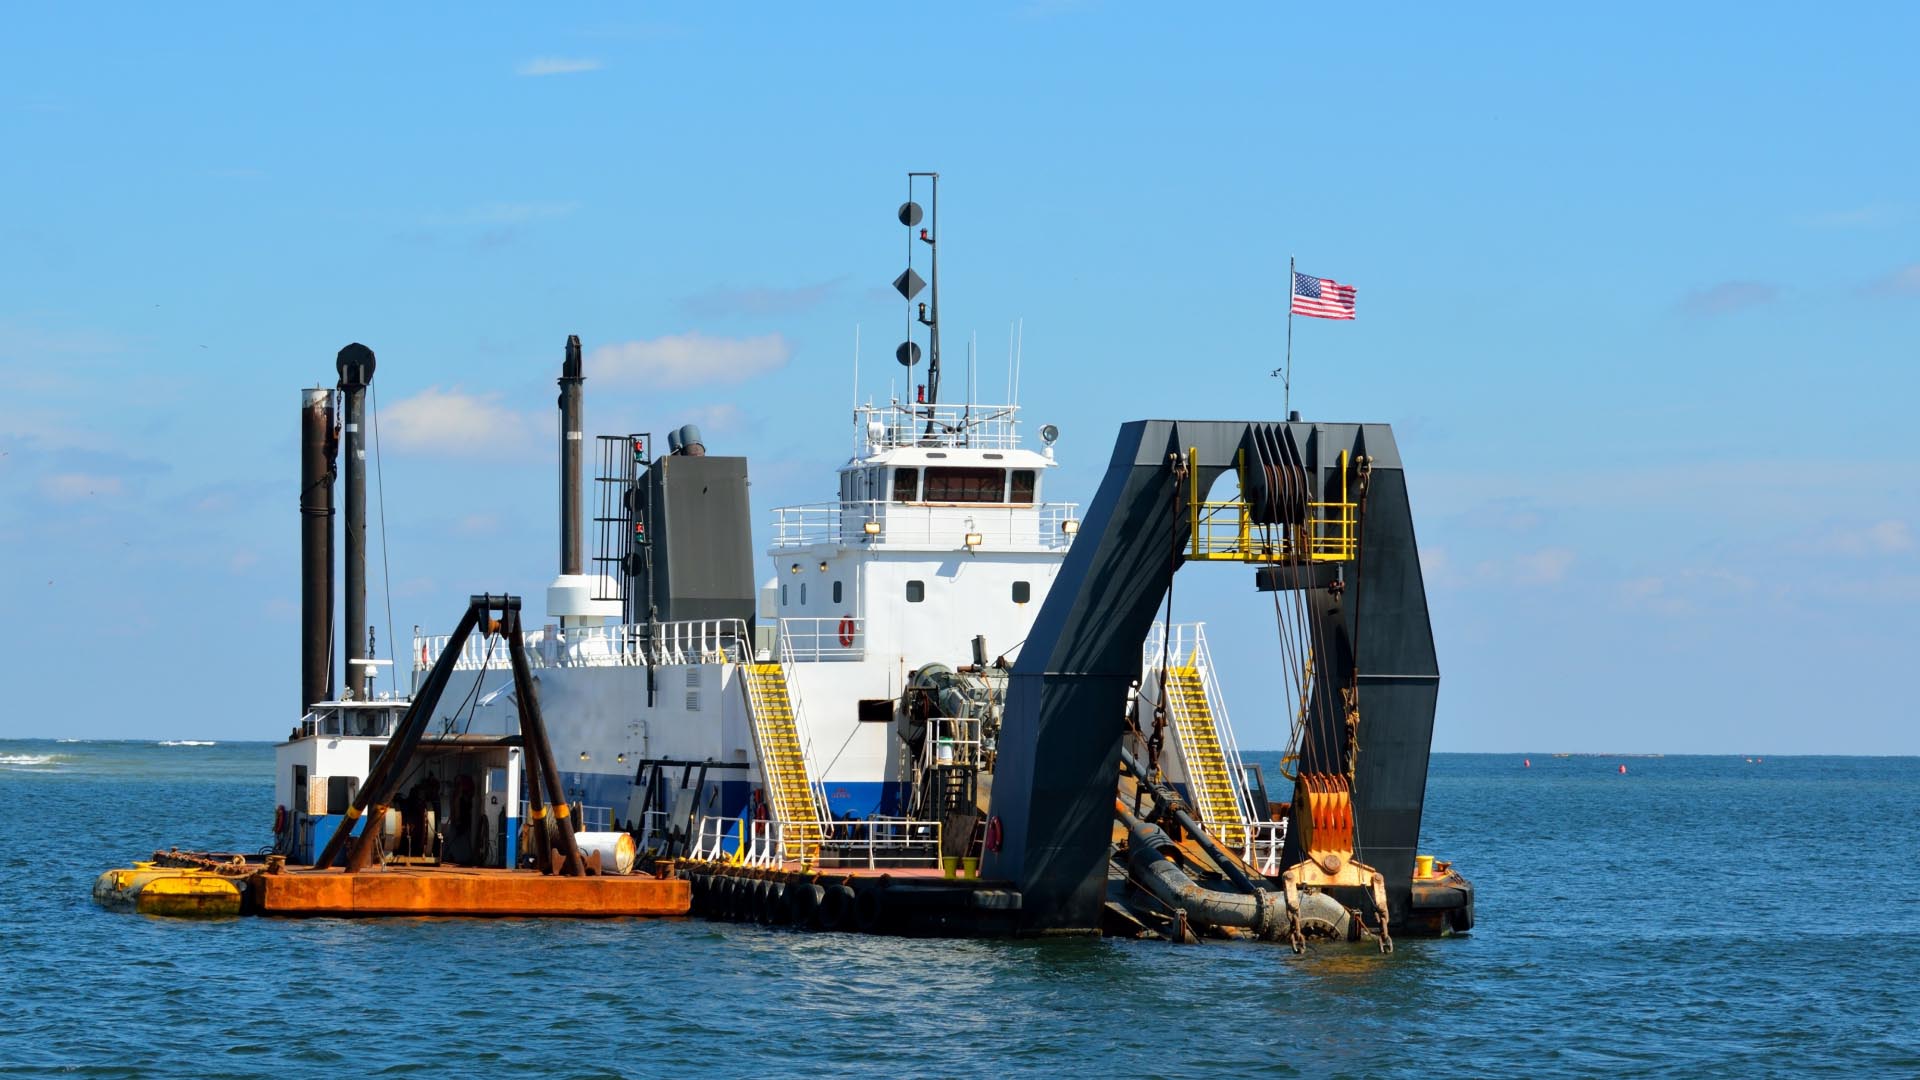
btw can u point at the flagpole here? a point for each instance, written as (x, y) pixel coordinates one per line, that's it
(1286, 384)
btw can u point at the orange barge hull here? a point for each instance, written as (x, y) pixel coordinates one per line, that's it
(464, 892)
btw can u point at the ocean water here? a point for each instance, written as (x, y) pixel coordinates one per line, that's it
(1698, 915)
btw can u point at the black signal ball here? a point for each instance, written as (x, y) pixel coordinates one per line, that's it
(908, 353)
(909, 214)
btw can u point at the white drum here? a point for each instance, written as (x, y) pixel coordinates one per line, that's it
(616, 850)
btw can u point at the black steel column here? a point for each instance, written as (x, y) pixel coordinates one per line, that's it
(317, 452)
(355, 364)
(570, 439)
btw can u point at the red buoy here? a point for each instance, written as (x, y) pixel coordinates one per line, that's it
(1623, 770)
(1528, 762)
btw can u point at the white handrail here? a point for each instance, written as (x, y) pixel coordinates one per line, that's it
(874, 843)
(694, 641)
(814, 640)
(1265, 842)
(1188, 644)
(804, 733)
(944, 525)
(981, 427)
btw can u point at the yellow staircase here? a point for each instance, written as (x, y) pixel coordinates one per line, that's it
(783, 760)
(1209, 784)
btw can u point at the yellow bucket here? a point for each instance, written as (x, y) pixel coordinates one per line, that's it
(1423, 866)
(950, 864)
(970, 867)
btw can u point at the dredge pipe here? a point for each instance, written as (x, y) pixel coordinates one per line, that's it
(1228, 865)
(1147, 860)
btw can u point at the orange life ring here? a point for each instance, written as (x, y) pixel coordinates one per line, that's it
(424, 660)
(846, 632)
(279, 820)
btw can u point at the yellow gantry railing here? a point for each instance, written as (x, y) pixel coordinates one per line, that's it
(1226, 531)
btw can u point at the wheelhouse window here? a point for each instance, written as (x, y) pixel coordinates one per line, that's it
(1022, 591)
(952, 483)
(916, 591)
(906, 485)
(1022, 486)
(836, 592)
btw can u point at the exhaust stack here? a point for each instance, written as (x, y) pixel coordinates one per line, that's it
(576, 598)
(355, 364)
(318, 450)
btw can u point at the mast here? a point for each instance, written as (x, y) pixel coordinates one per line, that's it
(909, 285)
(931, 235)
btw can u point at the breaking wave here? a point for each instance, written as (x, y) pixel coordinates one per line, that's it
(186, 742)
(27, 760)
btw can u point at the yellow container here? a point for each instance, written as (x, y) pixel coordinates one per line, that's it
(970, 867)
(175, 891)
(950, 864)
(1423, 866)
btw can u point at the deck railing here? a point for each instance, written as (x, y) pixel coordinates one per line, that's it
(809, 641)
(875, 843)
(696, 641)
(1266, 840)
(991, 526)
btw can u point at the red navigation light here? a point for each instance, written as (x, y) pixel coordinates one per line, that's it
(920, 395)
(924, 236)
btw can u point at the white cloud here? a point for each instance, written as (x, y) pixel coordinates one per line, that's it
(711, 419)
(557, 65)
(1902, 282)
(1882, 538)
(1871, 215)
(72, 487)
(1728, 297)
(1544, 567)
(726, 301)
(689, 359)
(453, 422)
(478, 525)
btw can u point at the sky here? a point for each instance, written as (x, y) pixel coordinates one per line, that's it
(1639, 291)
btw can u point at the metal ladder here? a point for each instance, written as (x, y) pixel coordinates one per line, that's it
(783, 761)
(1209, 780)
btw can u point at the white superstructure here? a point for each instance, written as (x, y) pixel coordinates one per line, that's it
(942, 533)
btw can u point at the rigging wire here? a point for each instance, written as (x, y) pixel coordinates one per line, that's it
(386, 575)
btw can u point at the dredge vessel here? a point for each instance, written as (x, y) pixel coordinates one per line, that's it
(950, 708)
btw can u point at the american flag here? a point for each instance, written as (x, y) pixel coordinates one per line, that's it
(1322, 298)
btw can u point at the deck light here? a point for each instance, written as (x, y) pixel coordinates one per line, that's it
(823, 566)
(1070, 526)
(794, 569)
(974, 540)
(872, 528)
(583, 755)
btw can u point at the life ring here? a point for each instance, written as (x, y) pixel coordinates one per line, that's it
(992, 839)
(425, 661)
(279, 820)
(846, 632)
